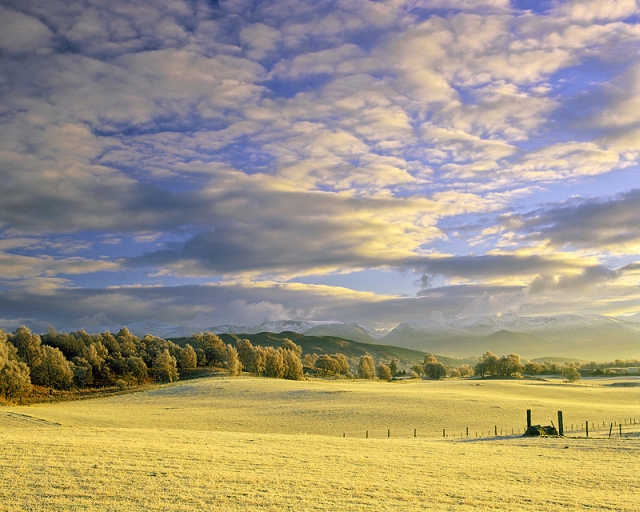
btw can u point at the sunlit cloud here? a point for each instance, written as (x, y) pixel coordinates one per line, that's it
(149, 147)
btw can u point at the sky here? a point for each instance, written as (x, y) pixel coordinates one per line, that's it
(201, 162)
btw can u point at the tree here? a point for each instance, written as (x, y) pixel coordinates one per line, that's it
(14, 375)
(509, 365)
(384, 372)
(29, 346)
(326, 364)
(292, 364)
(434, 369)
(393, 366)
(245, 354)
(188, 357)
(274, 363)
(488, 365)
(53, 370)
(341, 364)
(310, 359)
(532, 368)
(366, 367)
(570, 373)
(14, 380)
(165, 366)
(137, 368)
(213, 346)
(287, 344)
(233, 362)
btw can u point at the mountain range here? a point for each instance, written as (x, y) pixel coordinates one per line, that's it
(579, 336)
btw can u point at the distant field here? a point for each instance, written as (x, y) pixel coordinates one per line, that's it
(237, 444)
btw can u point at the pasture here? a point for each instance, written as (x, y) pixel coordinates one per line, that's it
(262, 444)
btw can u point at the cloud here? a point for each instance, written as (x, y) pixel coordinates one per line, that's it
(21, 34)
(592, 10)
(605, 224)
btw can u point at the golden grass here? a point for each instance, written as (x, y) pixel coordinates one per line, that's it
(258, 444)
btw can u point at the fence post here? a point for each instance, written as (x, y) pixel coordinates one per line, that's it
(528, 418)
(587, 428)
(443, 433)
(610, 429)
(467, 431)
(495, 429)
(560, 424)
(388, 432)
(366, 434)
(415, 433)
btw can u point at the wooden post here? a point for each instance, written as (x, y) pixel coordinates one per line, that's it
(495, 429)
(388, 432)
(528, 418)
(467, 431)
(415, 433)
(444, 433)
(366, 435)
(620, 429)
(610, 429)
(344, 434)
(587, 428)
(560, 424)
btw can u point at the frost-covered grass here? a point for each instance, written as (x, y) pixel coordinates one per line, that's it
(237, 444)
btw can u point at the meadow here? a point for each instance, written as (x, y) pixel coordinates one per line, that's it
(265, 444)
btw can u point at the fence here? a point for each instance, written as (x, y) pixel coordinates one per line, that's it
(568, 428)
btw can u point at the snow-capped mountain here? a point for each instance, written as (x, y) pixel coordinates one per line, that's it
(583, 336)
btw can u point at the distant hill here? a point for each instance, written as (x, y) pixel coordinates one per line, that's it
(352, 332)
(571, 336)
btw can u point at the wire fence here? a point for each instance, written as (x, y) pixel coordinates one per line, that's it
(626, 427)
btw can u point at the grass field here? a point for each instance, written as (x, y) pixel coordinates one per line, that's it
(260, 444)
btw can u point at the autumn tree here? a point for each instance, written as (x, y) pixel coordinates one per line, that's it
(15, 380)
(214, 348)
(532, 368)
(53, 370)
(233, 362)
(570, 373)
(188, 357)
(245, 354)
(292, 364)
(366, 367)
(433, 368)
(29, 346)
(137, 368)
(384, 372)
(165, 366)
(509, 365)
(310, 359)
